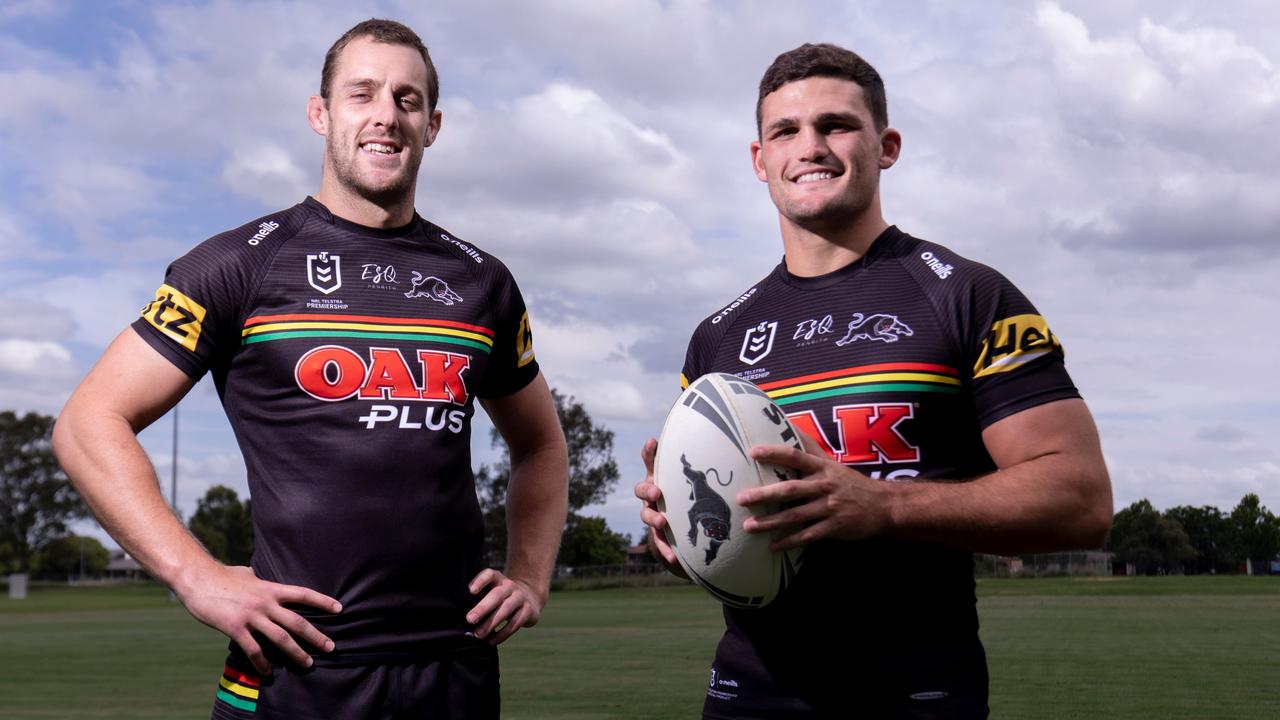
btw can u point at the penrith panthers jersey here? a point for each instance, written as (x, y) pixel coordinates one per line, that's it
(348, 360)
(894, 365)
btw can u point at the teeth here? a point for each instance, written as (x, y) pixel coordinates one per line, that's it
(379, 148)
(814, 176)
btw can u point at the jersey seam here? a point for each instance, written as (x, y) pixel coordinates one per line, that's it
(260, 276)
(952, 333)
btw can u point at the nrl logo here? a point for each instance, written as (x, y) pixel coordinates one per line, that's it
(885, 328)
(324, 272)
(757, 342)
(432, 287)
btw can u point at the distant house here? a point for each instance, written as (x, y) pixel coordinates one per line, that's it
(638, 555)
(123, 567)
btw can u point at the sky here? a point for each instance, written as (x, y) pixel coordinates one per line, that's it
(1115, 159)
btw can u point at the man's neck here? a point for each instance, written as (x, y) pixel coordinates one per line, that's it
(813, 252)
(362, 211)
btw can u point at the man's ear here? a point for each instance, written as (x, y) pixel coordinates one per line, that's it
(433, 128)
(318, 115)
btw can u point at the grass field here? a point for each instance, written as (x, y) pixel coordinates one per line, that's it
(1197, 647)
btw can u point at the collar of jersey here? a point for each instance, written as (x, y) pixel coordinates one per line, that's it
(879, 247)
(319, 208)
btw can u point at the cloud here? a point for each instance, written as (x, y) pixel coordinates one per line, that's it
(1172, 484)
(22, 317)
(562, 146)
(34, 359)
(267, 173)
(28, 9)
(1221, 433)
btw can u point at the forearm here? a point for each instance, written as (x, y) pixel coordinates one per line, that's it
(537, 500)
(1046, 504)
(107, 465)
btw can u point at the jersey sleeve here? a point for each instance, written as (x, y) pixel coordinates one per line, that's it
(1017, 361)
(695, 358)
(513, 364)
(194, 318)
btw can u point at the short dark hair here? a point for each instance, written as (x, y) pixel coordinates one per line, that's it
(825, 60)
(383, 31)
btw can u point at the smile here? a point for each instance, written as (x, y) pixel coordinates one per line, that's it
(377, 148)
(815, 176)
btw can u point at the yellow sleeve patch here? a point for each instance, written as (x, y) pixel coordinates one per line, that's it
(684, 382)
(524, 342)
(1013, 342)
(176, 315)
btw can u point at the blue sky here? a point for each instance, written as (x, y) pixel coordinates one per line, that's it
(1115, 159)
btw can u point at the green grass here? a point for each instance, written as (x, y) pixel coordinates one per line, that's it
(1199, 647)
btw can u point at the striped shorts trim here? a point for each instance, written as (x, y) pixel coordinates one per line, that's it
(238, 689)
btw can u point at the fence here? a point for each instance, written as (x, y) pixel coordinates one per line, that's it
(1064, 564)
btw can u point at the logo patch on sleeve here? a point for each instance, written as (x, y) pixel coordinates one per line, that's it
(1013, 342)
(176, 315)
(524, 342)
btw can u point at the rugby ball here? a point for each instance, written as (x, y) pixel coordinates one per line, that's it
(701, 465)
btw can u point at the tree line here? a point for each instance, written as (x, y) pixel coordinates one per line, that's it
(37, 505)
(1195, 540)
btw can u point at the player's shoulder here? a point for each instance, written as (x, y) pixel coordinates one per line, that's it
(947, 278)
(253, 242)
(471, 257)
(714, 326)
(935, 265)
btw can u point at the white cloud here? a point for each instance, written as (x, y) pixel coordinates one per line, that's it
(562, 146)
(34, 358)
(266, 172)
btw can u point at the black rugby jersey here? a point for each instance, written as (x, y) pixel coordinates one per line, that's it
(894, 364)
(348, 360)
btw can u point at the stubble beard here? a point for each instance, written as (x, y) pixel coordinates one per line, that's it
(835, 214)
(398, 191)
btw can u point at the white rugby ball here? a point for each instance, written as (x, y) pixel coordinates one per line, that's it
(701, 465)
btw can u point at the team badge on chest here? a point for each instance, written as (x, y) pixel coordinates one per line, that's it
(324, 272)
(757, 342)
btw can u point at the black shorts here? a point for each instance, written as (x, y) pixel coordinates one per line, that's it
(459, 686)
(943, 682)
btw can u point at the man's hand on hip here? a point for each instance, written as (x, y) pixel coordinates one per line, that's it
(237, 603)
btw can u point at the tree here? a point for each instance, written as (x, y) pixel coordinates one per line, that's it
(224, 525)
(1212, 536)
(36, 499)
(592, 474)
(1155, 544)
(1257, 530)
(73, 556)
(589, 541)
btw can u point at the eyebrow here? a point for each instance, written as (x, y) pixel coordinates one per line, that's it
(827, 117)
(402, 89)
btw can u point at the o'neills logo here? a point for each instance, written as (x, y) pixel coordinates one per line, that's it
(264, 229)
(333, 373)
(733, 306)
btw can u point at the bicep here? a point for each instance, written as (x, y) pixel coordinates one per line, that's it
(1064, 428)
(132, 381)
(526, 418)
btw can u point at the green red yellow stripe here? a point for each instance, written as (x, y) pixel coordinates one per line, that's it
(239, 689)
(862, 379)
(265, 328)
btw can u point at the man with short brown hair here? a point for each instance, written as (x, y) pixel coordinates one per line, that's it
(940, 421)
(348, 339)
